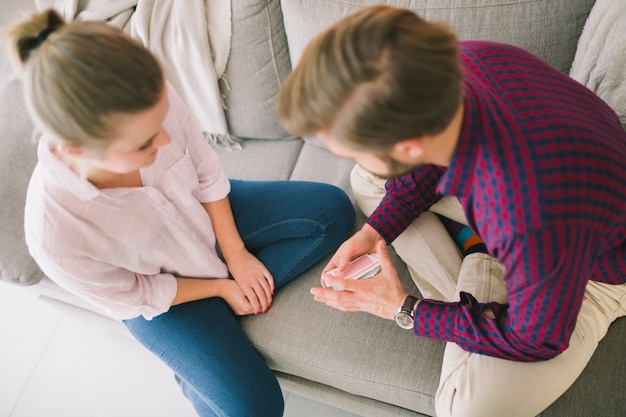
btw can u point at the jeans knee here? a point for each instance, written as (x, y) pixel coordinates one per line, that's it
(240, 404)
(345, 208)
(337, 211)
(266, 405)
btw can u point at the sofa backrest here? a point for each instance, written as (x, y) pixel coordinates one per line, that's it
(257, 64)
(269, 36)
(547, 28)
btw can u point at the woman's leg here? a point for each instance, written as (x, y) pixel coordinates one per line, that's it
(290, 225)
(219, 371)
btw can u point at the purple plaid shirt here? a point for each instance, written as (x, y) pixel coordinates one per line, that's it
(540, 170)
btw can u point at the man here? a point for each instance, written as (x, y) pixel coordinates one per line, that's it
(536, 161)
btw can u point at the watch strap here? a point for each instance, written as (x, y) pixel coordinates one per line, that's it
(408, 304)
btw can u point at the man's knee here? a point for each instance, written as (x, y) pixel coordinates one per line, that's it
(458, 404)
(368, 189)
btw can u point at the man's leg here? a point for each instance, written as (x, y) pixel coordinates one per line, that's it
(431, 255)
(477, 385)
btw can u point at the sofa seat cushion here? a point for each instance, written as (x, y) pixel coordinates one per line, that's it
(599, 391)
(354, 352)
(548, 28)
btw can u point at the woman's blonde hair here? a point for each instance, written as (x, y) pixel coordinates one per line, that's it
(79, 76)
(378, 76)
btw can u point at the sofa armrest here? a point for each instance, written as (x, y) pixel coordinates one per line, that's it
(17, 160)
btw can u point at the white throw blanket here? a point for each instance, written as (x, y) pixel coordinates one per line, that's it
(600, 61)
(191, 38)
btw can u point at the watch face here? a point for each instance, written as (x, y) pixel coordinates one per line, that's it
(404, 320)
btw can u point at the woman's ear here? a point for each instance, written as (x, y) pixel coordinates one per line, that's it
(69, 150)
(408, 151)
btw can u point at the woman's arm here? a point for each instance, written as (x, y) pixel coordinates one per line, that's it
(253, 277)
(192, 289)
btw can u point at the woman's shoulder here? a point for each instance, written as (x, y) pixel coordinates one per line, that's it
(49, 224)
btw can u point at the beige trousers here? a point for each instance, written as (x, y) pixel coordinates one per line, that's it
(477, 385)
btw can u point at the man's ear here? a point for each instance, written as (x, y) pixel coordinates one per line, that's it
(408, 150)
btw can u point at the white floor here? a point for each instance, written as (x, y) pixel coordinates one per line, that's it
(53, 364)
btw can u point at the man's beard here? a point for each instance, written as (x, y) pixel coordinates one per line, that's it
(395, 169)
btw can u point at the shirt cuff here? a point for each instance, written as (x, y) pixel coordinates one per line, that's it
(434, 319)
(163, 293)
(216, 191)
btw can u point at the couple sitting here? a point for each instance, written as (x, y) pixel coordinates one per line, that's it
(129, 209)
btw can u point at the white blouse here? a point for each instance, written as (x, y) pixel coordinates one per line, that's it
(120, 248)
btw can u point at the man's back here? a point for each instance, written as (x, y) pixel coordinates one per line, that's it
(548, 154)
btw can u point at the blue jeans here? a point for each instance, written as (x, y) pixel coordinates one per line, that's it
(289, 226)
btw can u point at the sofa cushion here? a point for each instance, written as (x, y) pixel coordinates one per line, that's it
(258, 62)
(354, 352)
(17, 161)
(316, 163)
(261, 160)
(599, 391)
(548, 28)
(359, 405)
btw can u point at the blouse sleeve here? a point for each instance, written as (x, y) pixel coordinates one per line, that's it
(120, 293)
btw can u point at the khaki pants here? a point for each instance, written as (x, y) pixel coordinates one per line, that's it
(477, 385)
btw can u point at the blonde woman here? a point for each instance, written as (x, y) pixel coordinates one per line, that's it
(128, 206)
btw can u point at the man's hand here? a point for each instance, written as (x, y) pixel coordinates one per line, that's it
(380, 295)
(363, 241)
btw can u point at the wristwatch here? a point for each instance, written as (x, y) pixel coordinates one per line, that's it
(406, 315)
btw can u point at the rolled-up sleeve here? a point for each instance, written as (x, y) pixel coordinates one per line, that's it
(120, 293)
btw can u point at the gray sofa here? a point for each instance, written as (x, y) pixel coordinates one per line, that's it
(353, 361)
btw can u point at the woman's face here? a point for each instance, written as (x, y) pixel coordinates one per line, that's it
(140, 137)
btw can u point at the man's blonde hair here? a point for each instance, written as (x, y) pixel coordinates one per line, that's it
(378, 76)
(78, 77)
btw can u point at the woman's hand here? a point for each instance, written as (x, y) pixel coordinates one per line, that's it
(253, 277)
(191, 289)
(363, 241)
(233, 294)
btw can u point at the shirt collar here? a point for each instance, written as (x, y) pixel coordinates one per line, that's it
(59, 175)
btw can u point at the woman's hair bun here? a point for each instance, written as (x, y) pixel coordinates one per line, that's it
(28, 35)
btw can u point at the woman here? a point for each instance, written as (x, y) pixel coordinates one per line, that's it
(129, 209)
